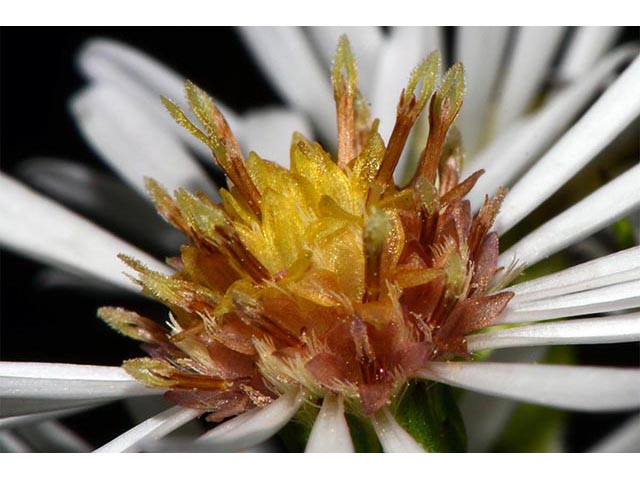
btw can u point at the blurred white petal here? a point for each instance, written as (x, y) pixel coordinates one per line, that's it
(36, 226)
(486, 416)
(12, 443)
(144, 79)
(134, 144)
(574, 388)
(268, 133)
(604, 206)
(586, 46)
(26, 419)
(527, 68)
(608, 117)
(286, 58)
(393, 438)
(252, 427)
(481, 50)
(521, 143)
(605, 299)
(625, 439)
(52, 436)
(610, 329)
(330, 432)
(150, 430)
(101, 196)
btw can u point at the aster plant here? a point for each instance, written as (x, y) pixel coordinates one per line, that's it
(335, 301)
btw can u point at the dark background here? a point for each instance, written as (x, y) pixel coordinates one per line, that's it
(38, 76)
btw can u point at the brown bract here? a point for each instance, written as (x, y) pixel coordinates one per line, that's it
(327, 276)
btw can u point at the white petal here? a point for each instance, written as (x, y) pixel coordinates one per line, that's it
(604, 206)
(619, 267)
(400, 54)
(268, 133)
(17, 420)
(485, 416)
(481, 50)
(609, 116)
(366, 43)
(52, 436)
(393, 437)
(527, 68)
(133, 143)
(150, 430)
(610, 329)
(12, 408)
(40, 228)
(330, 433)
(145, 80)
(252, 427)
(586, 46)
(573, 388)
(523, 142)
(287, 59)
(100, 196)
(12, 443)
(625, 439)
(68, 382)
(606, 299)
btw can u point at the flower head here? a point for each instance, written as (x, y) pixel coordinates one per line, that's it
(326, 278)
(343, 291)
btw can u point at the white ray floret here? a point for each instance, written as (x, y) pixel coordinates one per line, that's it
(254, 426)
(620, 296)
(574, 388)
(12, 443)
(485, 416)
(144, 79)
(52, 436)
(58, 381)
(611, 329)
(619, 267)
(26, 419)
(286, 57)
(268, 133)
(32, 224)
(608, 116)
(393, 438)
(100, 195)
(150, 430)
(133, 143)
(523, 142)
(531, 58)
(480, 49)
(614, 200)
(330, 432)
(586, 46)
(625, 439)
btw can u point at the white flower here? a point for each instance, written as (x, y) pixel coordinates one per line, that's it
(119, 114)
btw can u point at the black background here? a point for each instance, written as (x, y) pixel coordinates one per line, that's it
(38, 76)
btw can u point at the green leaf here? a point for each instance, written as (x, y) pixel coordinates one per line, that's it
(429, 413)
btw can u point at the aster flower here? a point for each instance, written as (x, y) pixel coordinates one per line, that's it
(326, 288)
